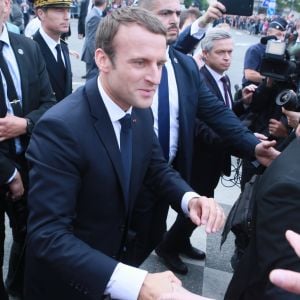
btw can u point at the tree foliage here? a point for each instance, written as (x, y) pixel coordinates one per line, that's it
(290, 4)
(202, 4)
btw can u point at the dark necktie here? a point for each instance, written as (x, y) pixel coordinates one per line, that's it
(226, 90)
(164, 113)
(11, 90)
(61, 67)
(126, 149)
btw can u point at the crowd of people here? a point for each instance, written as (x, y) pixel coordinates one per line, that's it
(87, 176)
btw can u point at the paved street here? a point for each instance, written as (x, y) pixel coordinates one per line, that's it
(209, 277)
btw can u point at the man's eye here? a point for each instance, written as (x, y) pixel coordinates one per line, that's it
(139, 63)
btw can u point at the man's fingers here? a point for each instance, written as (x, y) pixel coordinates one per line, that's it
(294, 240)
(287, 280)
(173, 278)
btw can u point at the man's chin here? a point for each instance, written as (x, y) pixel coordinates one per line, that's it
(171, 40)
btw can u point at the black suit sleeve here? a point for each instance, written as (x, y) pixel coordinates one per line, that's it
(278, 211)
(7, 169)
(224, 122)
(186, 43)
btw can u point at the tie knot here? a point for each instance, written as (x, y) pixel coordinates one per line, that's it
(57, 47)
(224, 79)
(126, 122)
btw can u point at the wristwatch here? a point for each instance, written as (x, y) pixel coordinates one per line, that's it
(29, 126)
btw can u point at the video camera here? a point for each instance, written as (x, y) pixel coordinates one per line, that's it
(283, 66)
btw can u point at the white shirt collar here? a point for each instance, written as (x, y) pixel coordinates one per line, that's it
(215, 75)
(115, 112)
(49, 41)
(4, 36)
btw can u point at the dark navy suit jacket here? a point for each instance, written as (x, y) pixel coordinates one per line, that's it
(78, 216)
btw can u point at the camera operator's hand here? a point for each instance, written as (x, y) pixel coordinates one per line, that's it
(293, 117)
(247, 93)
(16, 188)
(265, 153)
(277, 128)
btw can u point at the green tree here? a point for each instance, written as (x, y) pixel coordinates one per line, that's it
(290, 4)
(203, 4)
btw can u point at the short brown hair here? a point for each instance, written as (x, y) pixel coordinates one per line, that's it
(110, 25)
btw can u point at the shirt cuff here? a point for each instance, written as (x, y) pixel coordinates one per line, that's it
(196, 31)
(11, 178)
(125, 282)
(185, 201)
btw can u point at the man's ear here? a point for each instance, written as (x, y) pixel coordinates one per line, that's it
(39, 13)
(204, 54)
(102, 60)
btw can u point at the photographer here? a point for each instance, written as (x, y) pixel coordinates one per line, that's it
(254, 54)
(267, 119)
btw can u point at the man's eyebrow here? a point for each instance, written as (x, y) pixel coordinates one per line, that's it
(169, 11)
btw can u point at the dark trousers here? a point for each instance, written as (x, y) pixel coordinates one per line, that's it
(17, 215)
(204, 181)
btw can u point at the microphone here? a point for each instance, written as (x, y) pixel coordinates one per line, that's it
(264, 40)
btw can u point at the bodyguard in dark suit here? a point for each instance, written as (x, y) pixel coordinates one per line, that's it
(24, 78)
(276, 209)
(86, 173)
(55, 19)
(188, 97)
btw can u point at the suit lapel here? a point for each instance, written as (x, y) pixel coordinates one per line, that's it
(20, 54)
(211, 82)
(49, 58)
(105, 130)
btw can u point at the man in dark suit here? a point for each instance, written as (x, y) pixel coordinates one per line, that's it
(55, 19)
(86, 173)
(189, 97)
(277, 206)
(91, 24)
(211, 154)
(24, 78)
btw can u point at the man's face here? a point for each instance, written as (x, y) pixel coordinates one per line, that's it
(278, 33)
(168, 11)
(55, 21)
(132, 77)
(219, 58)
